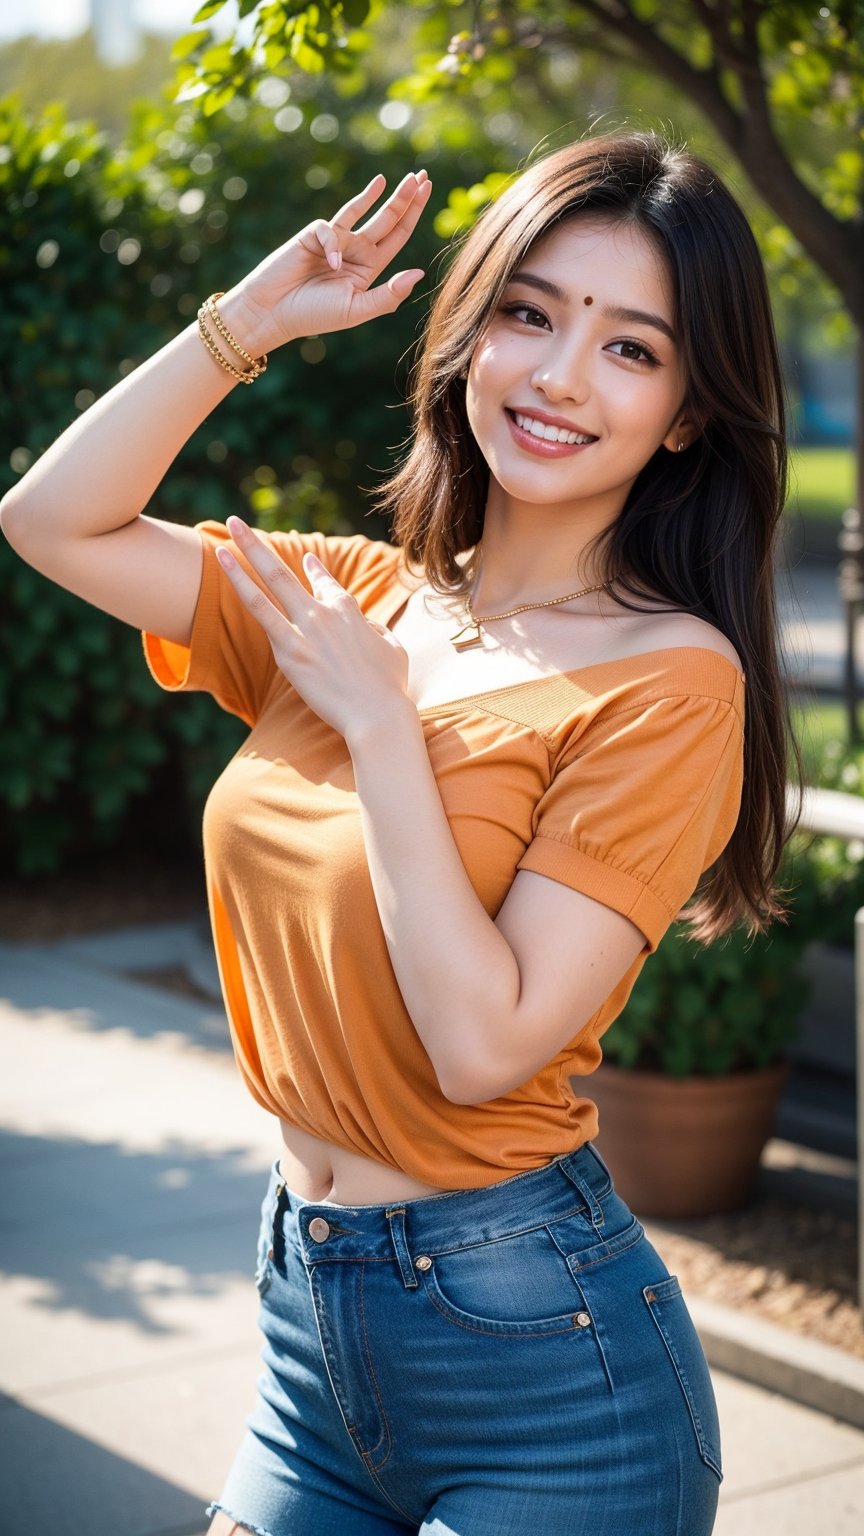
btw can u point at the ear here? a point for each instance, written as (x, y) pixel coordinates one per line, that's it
(682, 434)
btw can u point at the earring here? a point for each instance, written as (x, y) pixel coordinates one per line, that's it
(681, 447)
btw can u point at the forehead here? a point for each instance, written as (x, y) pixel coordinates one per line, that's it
(618, 260)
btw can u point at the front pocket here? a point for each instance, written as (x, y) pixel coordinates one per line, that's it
(668, 1308)
(514, 1285)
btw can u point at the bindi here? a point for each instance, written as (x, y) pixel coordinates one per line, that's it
(589, 300)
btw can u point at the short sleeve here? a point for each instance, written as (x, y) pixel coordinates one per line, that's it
(645, 803)
(229, 654)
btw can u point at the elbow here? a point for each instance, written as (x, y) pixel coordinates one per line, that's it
(459, 1090)
(7, 513)
(11, 519)
(463, 1081)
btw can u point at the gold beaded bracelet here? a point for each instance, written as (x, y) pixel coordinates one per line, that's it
(254, 366)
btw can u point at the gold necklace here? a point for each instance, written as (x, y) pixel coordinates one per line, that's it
(471, 630)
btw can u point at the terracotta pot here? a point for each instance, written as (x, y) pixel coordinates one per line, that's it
(684, 1146)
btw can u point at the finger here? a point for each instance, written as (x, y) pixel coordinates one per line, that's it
(391, 244)
(277, 576)
(272, 619)
(384, 299)
(324, 585)
(320, 235)
(395, 208)
(355, 208)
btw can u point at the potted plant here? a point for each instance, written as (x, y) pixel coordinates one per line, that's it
(694, 1066)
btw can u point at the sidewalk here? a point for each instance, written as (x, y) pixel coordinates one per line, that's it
(134, 1165)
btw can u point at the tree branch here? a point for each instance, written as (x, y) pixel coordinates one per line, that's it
(701, 85)
(835, 245)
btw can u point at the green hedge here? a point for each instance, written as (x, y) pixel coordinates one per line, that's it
(104, 254)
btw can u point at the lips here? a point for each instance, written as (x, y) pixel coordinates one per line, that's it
(546, 419)
(523, 428)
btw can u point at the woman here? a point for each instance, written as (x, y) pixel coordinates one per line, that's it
(486, 766)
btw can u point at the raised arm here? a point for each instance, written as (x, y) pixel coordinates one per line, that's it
(77, 515)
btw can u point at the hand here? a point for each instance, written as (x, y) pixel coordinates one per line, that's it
(350, 671)
(321, 280)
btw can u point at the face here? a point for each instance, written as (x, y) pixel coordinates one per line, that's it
(555, 356)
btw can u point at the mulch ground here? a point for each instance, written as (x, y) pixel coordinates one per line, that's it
(790, 1264)
(787, 1264)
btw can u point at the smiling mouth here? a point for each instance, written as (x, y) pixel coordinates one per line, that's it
(544, 432)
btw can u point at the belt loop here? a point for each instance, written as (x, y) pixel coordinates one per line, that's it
(396, 1218)
(595, 1209)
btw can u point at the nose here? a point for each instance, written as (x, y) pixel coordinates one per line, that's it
(563, 373)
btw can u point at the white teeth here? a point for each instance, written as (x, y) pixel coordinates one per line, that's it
(549, 433)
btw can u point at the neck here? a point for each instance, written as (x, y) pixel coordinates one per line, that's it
(527, 559)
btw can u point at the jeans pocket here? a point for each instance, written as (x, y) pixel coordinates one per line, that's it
(518, 1284)
(668, 1308)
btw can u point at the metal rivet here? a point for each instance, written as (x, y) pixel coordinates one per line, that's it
(424, 1262)
(270, 1253)
(280, 1190)
(319, 1229)
(582, 1319)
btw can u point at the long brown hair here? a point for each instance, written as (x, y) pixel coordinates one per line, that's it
(698, 527)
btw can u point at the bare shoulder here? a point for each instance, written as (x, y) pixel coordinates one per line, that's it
(658, 631)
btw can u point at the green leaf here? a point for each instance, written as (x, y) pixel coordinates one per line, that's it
(204, 12)
(188, 43)
(216, 99)
(274, 53)
(355, 12)
(217, 60)
(310, 60)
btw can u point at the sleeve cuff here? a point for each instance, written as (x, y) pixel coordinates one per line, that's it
(175, 667)
(613, 887)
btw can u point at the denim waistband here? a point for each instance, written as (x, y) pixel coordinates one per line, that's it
(574, 1183)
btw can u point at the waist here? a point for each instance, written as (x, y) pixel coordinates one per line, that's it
(571, 1184)
(320, 1170)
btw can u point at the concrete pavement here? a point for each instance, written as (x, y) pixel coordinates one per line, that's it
(134, 1164)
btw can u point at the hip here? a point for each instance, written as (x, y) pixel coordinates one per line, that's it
(528, 1318)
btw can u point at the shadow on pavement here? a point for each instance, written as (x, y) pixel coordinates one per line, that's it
(57, 1481)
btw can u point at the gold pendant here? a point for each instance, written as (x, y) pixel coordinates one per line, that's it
(468, 636)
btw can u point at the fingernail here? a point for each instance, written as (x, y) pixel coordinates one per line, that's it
(335, 259)
(225, 558)
(237, 522)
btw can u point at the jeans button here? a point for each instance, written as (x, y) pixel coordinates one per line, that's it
(319, 1229)
(424, 1262)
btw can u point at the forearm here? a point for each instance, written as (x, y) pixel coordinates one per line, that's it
(456, 972)
(103, 470)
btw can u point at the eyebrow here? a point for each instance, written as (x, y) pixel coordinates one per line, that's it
(609, 311)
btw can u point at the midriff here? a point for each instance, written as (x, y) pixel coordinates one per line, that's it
(321, 1171)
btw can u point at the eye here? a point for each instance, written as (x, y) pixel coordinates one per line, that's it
(532, 315)
(647, 356)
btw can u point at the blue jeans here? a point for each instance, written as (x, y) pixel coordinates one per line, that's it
(508, 1361)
